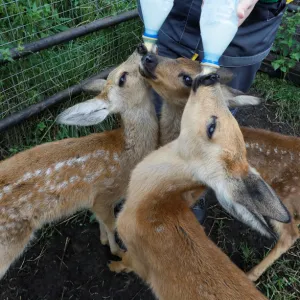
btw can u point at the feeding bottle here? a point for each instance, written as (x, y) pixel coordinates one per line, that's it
(218, 25)
(155, 13)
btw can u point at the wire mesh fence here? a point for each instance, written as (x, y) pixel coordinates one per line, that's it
(30, 80)
(33, 78)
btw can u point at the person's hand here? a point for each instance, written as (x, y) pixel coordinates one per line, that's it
(244, 9)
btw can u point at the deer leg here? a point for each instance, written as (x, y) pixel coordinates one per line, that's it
(9, 251)
(103, 234)
(289, 234)
(124, 265)
(106, 217)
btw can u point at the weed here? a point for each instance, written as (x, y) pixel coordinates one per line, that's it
(247, 252)
(285, 95)
(30, 80)
(286, 44)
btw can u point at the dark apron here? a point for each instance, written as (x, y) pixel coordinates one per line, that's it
(180, 36)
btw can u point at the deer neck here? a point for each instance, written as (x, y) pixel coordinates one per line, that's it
(140, 130)
(170, 122)
(159, 175)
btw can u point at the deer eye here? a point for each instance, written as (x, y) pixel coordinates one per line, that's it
(211, 127)
(187, 80)
(122, 79)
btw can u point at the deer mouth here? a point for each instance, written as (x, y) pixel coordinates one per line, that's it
(145, 72)
(148, 65)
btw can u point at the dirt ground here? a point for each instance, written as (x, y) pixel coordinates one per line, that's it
(67, 261)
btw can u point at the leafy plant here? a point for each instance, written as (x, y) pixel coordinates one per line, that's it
(286, 45)
(5, 54)
(26, 18)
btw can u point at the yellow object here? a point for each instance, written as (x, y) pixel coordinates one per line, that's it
(195, 56)
(289, 1)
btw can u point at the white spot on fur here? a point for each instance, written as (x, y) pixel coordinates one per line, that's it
(37, 173)
(160, 228)
(1, 194)
(293, 189)
(275, 150)
(7, 189)
(268, 152)
(83, 158)
(52, 188)
(62, 185)
(59, 165)
(27, 176)
(48, 172)
(74, 178)
(116, 157)
(247, 145)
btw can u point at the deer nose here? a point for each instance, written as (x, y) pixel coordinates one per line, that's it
(150, 61)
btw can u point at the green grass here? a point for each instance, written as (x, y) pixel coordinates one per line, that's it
(284, 95)
(30, 80)
(247, 248)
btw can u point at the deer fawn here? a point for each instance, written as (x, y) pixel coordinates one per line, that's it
(174, 88)
(275, 156)
(56, 179)
(166, 245)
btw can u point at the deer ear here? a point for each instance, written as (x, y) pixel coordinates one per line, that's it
(87, 113)
(94, 87)
(252, 201)
(236, 98)
(225, 75)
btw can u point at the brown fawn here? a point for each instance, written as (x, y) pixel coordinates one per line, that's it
(166, 245)
(276, 157)
(56, 179)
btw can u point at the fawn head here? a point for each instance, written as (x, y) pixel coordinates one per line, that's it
(172, 79)
(124, 89)
(212, 143)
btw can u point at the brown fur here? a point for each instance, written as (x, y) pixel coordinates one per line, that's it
(56, 179)
(275, 156)
(166, 245)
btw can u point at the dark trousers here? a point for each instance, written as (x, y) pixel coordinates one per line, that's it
(180, 36)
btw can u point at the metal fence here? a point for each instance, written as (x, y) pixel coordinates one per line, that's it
(29, 76)
(33, 78)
